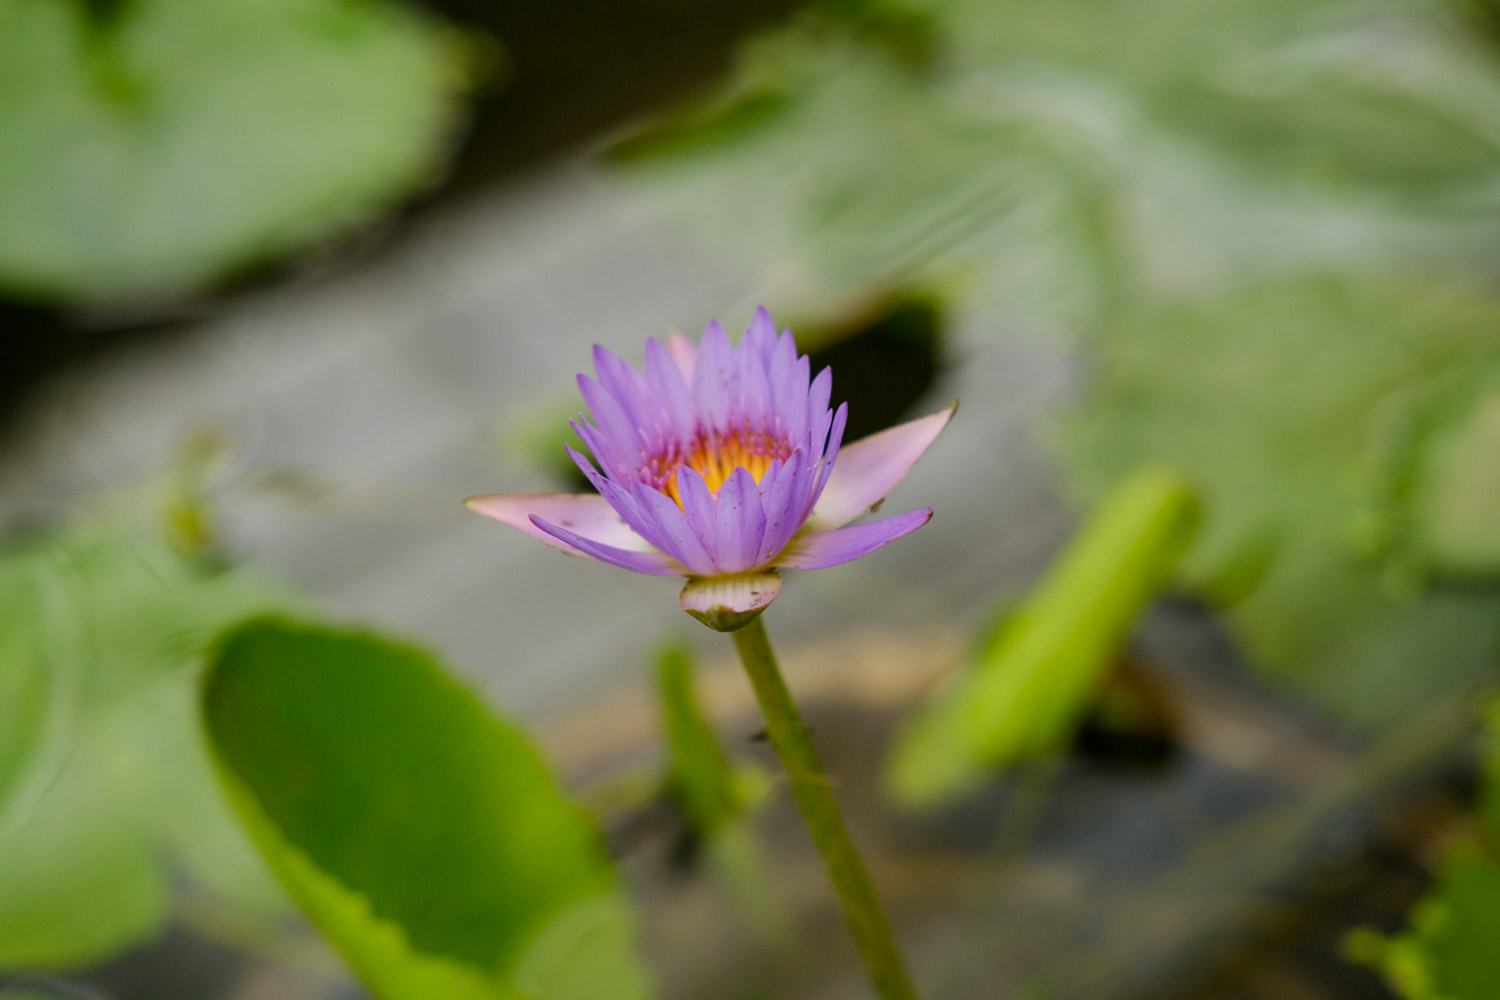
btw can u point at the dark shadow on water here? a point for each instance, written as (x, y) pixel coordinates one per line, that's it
(574, 69)
(884, 360)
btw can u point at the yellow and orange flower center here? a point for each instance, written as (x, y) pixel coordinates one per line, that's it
(715, 458)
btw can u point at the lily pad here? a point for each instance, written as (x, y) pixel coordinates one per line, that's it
(76, 886)
(37, 688)
(171, 142)
(422, 834)
(108, 783)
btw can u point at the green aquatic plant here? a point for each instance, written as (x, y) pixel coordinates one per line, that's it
(105, 791)
(424, 836)
(171, 143)
(1026, 688)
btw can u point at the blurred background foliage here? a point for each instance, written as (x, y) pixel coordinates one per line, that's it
(424, 836)
(1307, 412)
(1266, 228)
(1052, 159)
(1270, 226)
(1040, 667)
(1447, 952)
(153, 146)
(106, 798)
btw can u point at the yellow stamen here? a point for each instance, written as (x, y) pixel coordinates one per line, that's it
(716, 459)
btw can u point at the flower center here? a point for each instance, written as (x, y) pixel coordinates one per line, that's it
(715, 457)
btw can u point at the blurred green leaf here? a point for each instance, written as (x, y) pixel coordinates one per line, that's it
(700, 775)
(1276, 401)
(1050, 159)
(1243, 205)
(176, 141)
(1036, 674)
(77, 885)
(36, 689)
(1456, 506)
(102, 625)
(1489, 794)
(1448, 950)
(424, 836)
(718, 798)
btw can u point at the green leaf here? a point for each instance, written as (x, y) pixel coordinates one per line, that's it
(1276, 401)
(1051, 159)
(76, 886)
(424, 836)
(1456, 507)
(717, 798)
(174, 141)
(1036, 674)
(701, 777)
(115, 786)
(36, 689)
(1447, 951)
(1489, 794)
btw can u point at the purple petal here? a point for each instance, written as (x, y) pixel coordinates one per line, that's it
(671, 390)
(756, 388)
(835, 438)
(698, 506)
(602, 450)
(630, 390)
(675, 536)
(787, 395)
(761, 334)
(714, 378)
(868, 468)
(818, 414)
(783, 502)
(822, 549)
(740, 524)
(586, 513)
(612, 423)
(619, 498)
(729, 602)
(651, 563)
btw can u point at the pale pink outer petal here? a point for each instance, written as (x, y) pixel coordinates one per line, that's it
(822, 549)
(589, 514)
(684, 354)
(867, 469)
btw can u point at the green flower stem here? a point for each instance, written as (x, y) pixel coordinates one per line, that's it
(810, 786)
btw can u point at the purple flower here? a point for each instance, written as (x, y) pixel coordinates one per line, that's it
(721, 464)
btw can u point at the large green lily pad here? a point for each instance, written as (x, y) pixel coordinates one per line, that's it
(423, 835)
(170, 142)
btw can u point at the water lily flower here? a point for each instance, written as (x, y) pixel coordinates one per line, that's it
(721, 464)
